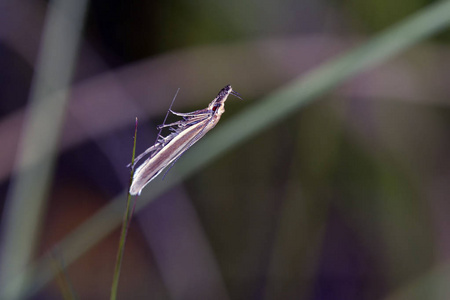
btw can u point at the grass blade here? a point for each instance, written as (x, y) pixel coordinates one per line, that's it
(27, 197)
(125, 225)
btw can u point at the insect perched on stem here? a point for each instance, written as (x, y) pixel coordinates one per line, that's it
(186, 132)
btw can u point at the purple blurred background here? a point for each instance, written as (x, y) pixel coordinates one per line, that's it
(347, 199)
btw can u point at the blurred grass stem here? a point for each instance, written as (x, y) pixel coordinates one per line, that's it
(27, 197)
(62, 279)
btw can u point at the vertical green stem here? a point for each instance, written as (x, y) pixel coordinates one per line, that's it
(125, 224)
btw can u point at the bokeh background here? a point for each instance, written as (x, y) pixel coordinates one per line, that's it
(343, 198)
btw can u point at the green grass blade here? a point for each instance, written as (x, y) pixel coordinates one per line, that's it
(62, 279)
(27, 197)
(125, 224)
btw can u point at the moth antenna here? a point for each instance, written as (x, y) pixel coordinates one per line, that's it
(158, 136)
(236, 94)
(167, 114)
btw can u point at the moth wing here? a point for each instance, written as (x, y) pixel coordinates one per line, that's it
(190, 144)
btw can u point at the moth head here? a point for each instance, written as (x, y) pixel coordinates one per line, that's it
(227, 90)
(219, 101)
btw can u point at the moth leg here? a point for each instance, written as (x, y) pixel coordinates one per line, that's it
(150, 149)
(181, 122)
(192, 113)
(195, 119)
(187, 121)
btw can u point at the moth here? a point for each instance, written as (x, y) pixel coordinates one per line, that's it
(184, 133)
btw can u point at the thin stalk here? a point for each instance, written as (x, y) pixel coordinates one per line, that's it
(125, 225)
(62, 279)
